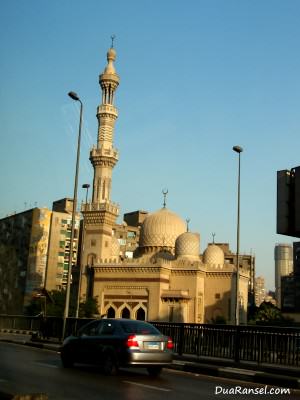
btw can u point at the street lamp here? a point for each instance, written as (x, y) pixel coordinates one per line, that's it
(84, 186)
(238, 150)
(75, 97)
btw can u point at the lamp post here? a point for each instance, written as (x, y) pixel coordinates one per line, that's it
(75, 97)
(84, 186)
(238, 150)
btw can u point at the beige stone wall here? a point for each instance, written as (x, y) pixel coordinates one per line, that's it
(219, 287)
(168, 292)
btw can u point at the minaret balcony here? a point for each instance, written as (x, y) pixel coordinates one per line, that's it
(107, 109)
(110, 207)
(104, 152)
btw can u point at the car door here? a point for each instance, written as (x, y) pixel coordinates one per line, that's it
(86, 342)
(105, 341)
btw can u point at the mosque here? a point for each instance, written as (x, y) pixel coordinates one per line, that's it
(167, 279)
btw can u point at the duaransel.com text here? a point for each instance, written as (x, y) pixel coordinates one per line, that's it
(246, 390)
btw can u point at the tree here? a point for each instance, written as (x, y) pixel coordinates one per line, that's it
(88, 308)
(219, 320)
(53, 305)
(268, 314)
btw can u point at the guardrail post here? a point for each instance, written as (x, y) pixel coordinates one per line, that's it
(181, 339)
(237, 344)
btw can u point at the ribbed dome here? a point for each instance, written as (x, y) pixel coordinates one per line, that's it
(115, 247)
(161, 229)
(111, 54)
(187, 245)
(213, 255)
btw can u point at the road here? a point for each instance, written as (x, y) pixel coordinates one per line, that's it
(31, 370)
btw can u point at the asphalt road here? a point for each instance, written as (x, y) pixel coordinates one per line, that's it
(31, 370)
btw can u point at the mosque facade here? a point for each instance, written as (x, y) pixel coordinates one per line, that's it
(167, 279)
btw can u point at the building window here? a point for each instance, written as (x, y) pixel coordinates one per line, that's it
(130, 234)
(217, 296)
(129, 254)
(93, 242)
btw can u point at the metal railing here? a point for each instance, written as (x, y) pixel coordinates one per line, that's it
(259, 344)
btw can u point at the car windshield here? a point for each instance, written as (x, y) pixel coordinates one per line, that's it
(141, 328)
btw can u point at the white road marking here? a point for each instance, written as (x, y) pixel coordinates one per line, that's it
(148, 386)
(46, 365)
(237, 371)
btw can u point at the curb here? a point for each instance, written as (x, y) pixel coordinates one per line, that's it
(239, 374)
(18, 331)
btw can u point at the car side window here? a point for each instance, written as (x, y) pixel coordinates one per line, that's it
(107, 328)
(91, 329)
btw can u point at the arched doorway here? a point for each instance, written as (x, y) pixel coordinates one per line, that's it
(111, 313)
(140, 314)
(125, 313)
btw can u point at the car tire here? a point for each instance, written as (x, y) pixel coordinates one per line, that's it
(154, 371)
(110, 366)
(66, 360)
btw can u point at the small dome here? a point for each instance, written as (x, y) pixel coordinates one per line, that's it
(188, 245)
(109, 72)
(213, 255)
(161, 229)
(115, 247)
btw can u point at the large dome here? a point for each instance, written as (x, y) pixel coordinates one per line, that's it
(187, 245)
(161, 229)
(213, 255)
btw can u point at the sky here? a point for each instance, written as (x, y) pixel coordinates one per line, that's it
(197, 78)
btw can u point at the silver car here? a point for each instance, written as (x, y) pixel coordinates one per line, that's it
(115, 343)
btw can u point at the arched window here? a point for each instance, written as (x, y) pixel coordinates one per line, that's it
(140, 314)
(125, 313)
(111, 313)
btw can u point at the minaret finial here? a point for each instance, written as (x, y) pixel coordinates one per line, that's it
(187, 224)
(112, 40)
(165, 192)
(213, 235)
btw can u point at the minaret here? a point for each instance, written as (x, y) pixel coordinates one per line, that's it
(100, 215)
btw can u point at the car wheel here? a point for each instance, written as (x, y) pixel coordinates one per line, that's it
(154, 371)
(66, 360)
(110, 366)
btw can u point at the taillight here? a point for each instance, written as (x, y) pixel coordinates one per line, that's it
(170, 344)
(131, 341)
